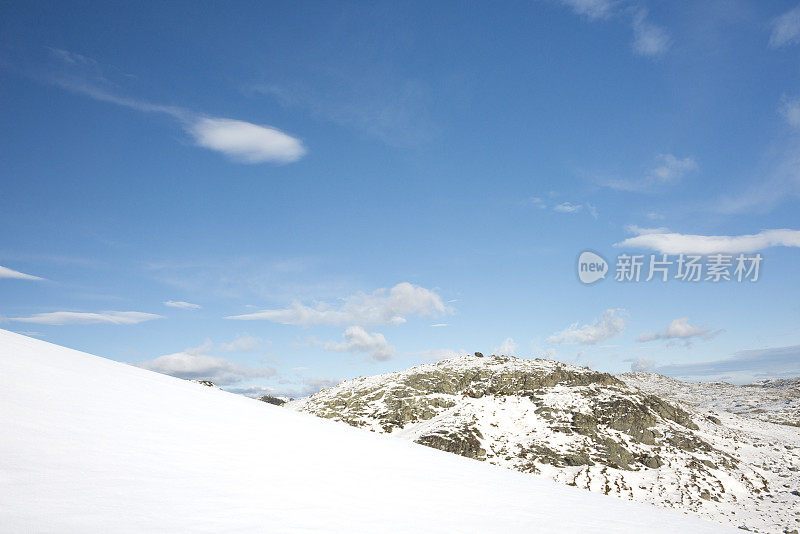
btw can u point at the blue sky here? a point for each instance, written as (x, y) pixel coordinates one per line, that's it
(378, 185)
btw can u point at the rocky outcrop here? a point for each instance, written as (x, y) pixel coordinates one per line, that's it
(465, 442)
(207, 383)
(269, 399)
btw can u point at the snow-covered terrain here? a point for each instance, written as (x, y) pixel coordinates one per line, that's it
(774, 401)
(93, 445)
(584, 429)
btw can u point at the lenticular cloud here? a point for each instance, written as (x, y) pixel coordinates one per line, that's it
(246, 142)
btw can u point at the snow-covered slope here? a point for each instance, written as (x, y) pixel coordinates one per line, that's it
(585, 429)
(92, 445)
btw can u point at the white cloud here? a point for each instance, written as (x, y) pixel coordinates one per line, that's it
(241, 141)
(639, 230)
(609, 325)
(246, 142)
(108, 317)
(679, 329)
(242, 343)
(357, 340)
(648, 39)
(641, 365)
(786, 29)
(673, 243)
(5, 272)
(568, 207)
(507, 348)
(439, 325)
(182, 305)
(194, 363)
(593, 9)
(382, 306)
(592, 211)
(304, 388)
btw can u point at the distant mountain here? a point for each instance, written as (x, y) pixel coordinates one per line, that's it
(586, 429)
(773, 400)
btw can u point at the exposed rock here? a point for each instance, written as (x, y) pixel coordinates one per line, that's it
(466, 442)
(207, 383)
(272, 400)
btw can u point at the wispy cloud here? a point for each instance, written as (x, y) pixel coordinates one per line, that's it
(359, 341)
(182, 305)
(777, 183)
(106, 317)
(5, 272)
(382, 306)
(393, 110)
(592, 9)
(680, 330)
(564, 207)
(612, 323)
(241, 141)
(507, 348)
(743, 367)
(790, 110)
(242, 343)
(669, 170)
(567, 207)
(195, 363)
(778, 178)
(248, 277)
(674, 243)
(648, 39)
(786, 29)
(537, 202)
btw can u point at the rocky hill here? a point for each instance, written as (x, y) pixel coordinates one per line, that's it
(585, 429)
